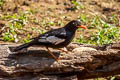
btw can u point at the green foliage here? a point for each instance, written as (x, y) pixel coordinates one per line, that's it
(50, 23)
(27, 39)
(106, 31)
(76, 5)
(47, 23)
(113, 19)
(16, 18)
(83, 18)
(16, 22)
(10, 34)
(105, 36)
(81, 39)
(8, 37)
(2, 2)
(60, 23)
(112, 78)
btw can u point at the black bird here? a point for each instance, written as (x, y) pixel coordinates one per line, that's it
(56, 38)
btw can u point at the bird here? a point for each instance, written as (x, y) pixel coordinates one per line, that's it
(55, 38)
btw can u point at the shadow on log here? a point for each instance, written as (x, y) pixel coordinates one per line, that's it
(82, 61)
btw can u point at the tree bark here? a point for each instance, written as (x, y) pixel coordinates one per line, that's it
(82, 61)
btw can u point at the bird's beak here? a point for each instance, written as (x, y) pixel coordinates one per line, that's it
(81, 26)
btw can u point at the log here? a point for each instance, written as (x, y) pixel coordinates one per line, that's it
(82, 61)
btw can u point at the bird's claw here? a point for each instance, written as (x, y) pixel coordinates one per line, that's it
(57, 59)
(64, 50)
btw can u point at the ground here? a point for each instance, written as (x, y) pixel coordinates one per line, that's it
(22, 20)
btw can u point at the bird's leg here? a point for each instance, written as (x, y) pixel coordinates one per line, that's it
(52, 54)
(64, 50)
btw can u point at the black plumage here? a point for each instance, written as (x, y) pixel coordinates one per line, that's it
(56, 38)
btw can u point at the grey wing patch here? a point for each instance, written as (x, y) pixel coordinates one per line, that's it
(42, 39)
(63, 33)
(54, 40)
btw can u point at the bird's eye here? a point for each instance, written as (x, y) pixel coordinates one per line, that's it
(74, 24)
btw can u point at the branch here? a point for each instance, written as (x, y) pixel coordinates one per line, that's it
(82, 61)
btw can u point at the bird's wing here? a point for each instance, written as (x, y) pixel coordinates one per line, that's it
(53, 37)
(55, 40)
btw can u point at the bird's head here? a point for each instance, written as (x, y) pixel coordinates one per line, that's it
(75, 24)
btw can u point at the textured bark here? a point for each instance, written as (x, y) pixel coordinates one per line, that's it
(82, 61)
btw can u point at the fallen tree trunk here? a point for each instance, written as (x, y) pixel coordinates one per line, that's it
(82, 61)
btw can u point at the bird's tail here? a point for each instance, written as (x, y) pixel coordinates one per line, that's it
(22, 46)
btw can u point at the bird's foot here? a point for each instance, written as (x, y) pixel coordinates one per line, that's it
(53, 55)
(64, 50)
(57, 59)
